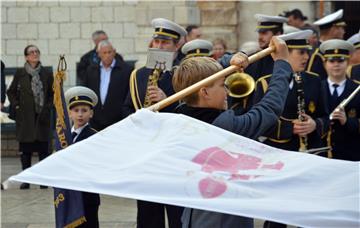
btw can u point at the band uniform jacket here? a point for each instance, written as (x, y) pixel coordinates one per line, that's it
(141, 78)
(316, 63)
(91, 200)
(31, 127)
(345, 140)
(111, 111)
(281, 135)
(353, 72)
(88, 59)
(252, 124)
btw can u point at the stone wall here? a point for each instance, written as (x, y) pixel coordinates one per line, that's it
(9, 144)
(65, 27)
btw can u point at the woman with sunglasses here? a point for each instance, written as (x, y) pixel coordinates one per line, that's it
(31, 96)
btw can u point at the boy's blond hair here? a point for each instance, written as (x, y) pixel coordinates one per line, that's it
(192, 70)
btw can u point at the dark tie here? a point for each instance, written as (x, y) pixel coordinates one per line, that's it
(334, 97)
(73, 135)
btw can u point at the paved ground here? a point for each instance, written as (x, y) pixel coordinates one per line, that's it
(33, 208)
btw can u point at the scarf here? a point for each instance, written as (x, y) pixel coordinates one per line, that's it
(36, 86)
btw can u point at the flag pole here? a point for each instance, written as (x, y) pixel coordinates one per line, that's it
(207, 81)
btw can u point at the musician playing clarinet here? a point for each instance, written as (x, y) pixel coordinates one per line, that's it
(344, 133)
(305, 118)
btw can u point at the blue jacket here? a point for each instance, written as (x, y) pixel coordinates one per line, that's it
(252, 124)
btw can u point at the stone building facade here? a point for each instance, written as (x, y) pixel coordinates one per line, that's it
(65, 27)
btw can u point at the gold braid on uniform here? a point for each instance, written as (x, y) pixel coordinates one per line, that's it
(312, 58)
(134, 92)
(328, 140)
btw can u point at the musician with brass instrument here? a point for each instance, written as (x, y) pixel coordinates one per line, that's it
(241, 100)
(344, 135)
(147, 87)
(304, 119)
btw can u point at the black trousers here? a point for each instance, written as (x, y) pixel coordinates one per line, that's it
(26, 150)
(152, 215)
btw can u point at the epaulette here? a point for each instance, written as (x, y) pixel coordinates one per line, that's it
(312, 58)
(312, 73)
(348, 71)
(93, 129)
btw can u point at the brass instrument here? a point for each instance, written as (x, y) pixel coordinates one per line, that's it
(152, 81)
(300, 109)
(239, 85)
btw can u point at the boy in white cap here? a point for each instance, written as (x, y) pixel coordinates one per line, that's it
(196, 48)
(331, 27)
(344, 134)
(166, 37)
(80, 102)
(353, 71)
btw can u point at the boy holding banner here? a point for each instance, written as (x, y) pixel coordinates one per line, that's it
(81, 101)
(208, 105)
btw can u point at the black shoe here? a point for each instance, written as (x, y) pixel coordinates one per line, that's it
(43, 187)
(24, 186)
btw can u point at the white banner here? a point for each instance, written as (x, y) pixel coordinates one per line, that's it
(174, 159)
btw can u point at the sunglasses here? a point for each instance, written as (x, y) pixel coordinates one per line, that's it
(33, 52)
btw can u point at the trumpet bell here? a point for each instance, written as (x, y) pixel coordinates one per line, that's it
(239, 85)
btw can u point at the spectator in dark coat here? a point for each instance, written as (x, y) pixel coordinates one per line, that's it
(3, 87)
(31, 94)
(110, 81)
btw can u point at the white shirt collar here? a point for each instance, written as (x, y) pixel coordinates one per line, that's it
(340, 88)
(78, 130)
(111, 66)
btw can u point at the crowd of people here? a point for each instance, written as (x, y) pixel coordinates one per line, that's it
(294, 104)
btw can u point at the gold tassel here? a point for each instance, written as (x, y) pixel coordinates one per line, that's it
(57, 86)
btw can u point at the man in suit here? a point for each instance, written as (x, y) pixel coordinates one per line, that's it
(344, 133)
(147, 87)
(81, 101)
(92, 56)
(110, 81)
(331, 27)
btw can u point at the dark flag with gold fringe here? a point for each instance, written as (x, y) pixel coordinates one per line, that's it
(69, 208)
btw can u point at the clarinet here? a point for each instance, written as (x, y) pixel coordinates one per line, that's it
(300, 109)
